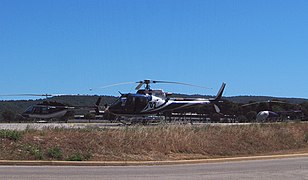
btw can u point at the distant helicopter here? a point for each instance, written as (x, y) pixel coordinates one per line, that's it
(264, 115)
(147, 101)
(51, 109)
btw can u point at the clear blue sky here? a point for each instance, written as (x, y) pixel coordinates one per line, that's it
(256, 47)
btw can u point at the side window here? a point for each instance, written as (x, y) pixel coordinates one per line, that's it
(29, 110)
(37, 110)
(45, 110)
(123, 101)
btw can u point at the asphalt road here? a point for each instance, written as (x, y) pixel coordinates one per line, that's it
(288, 168)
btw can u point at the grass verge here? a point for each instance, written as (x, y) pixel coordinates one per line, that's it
(153, 143)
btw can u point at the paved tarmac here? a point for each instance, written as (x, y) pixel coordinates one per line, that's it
(287, 168)
(40, 126)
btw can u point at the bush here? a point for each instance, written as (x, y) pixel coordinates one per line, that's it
(36, 152)
(78, 157)
(241, 119)
(55, 153)
(8, 115)
(10, 134)
(306, 137)
(251, 116)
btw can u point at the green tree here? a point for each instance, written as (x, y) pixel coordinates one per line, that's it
(241, 119)
(89, 116)
(304, 108)
(251, 115)
(215, 117)
(8, 115)
(263, 106)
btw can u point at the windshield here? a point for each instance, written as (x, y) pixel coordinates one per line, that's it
(123, 101)
(29, 110)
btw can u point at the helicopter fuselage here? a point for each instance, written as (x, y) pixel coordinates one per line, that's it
(45, 112)
(145, 103)
(138, 104)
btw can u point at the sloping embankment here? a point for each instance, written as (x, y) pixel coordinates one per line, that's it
(153, 143)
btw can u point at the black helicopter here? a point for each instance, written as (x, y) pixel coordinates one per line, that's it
(51, 109)
(147, 101)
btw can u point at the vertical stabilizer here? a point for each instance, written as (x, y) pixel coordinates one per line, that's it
(219, 94)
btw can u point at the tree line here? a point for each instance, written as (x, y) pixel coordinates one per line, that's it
(10, 110)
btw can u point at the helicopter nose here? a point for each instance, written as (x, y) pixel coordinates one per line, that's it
(25, 115)
(114, 109)
(110, 109)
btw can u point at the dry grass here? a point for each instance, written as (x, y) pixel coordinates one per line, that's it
(155, 143)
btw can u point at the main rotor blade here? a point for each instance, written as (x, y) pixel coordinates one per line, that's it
(269, 101)
(278, 102)
(38, 95)
(180, 83)
(249, 104)
(139, 85)
(147, 82)
(26, 95)
(111, 85)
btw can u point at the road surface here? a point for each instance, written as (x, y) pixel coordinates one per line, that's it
(40, 126)
(288, 168)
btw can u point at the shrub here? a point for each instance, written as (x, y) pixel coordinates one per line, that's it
(36, 152)
(55, 153)
(306, 137)
(10, 134)
(78, 157)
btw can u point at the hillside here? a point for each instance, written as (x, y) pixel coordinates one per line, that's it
(247, 99)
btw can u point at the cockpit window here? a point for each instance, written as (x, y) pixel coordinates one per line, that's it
(123, 101)
(45, 110)
(29, 110)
